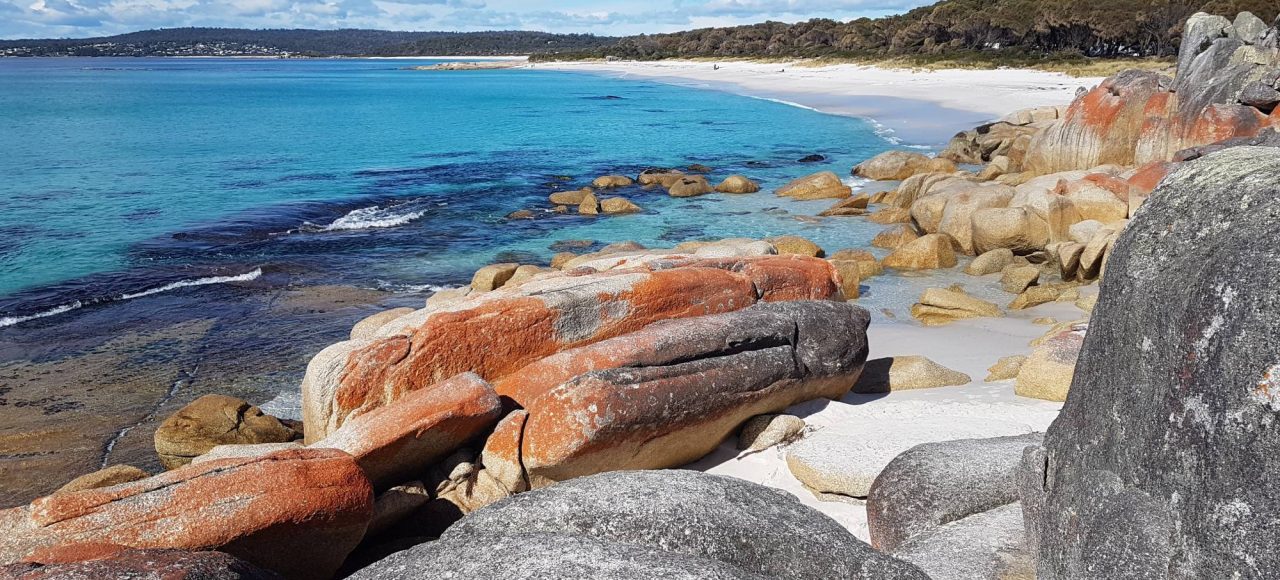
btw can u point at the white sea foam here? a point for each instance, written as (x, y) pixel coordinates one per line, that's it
(412, 288)
(248, 276)
(373, 217)
(12, 320)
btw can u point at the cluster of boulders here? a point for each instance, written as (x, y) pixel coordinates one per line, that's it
(590, 200)
(1060, 184)
(1161, 464)
(1052, 188)
(620, 359)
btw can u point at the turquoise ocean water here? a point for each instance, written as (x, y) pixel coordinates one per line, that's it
(129, 177)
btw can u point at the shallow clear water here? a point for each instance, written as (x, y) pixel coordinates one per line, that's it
(123, 176)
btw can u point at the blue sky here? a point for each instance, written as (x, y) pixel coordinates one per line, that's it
(79, 18)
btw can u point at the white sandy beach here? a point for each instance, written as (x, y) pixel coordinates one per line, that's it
(968, 97)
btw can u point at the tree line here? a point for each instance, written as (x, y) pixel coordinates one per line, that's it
(1095, 28)
(342, 42)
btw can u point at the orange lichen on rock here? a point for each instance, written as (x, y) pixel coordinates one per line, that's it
(395, 442)
(507, 329)
(297, 512)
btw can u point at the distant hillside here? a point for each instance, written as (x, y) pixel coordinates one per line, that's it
(1096, 28)
(278, 42)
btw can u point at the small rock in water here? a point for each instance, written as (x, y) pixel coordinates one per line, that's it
(737, 184)
(106, 477)
(574, 197)
(618, 206)
(611, 181)
(812, 158)
(942, 306)
(926, 253)
(214, 420)
(493, 276)
(1035, 296)
(822, 185)
(764, 431)
(689, 186)
(589, 205)
(796, 245)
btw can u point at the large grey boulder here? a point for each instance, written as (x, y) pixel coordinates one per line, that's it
(1197, 34)
(1249, 28)
(542, 556)
(934, 484)
(984, 546)
(1163, 462)
(695, 518)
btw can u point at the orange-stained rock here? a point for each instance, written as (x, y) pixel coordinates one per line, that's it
(498, 332)
(1148, 176)
(1139, 117)
(67, 553)
(298, 513)
(396, 442)
(670, 393)
(1100, 127)
(779, 278)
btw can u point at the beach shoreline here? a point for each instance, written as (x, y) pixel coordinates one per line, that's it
(917, 107)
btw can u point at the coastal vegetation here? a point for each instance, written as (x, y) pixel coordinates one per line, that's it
(982, 31)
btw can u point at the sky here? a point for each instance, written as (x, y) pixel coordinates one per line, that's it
(84, 18)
